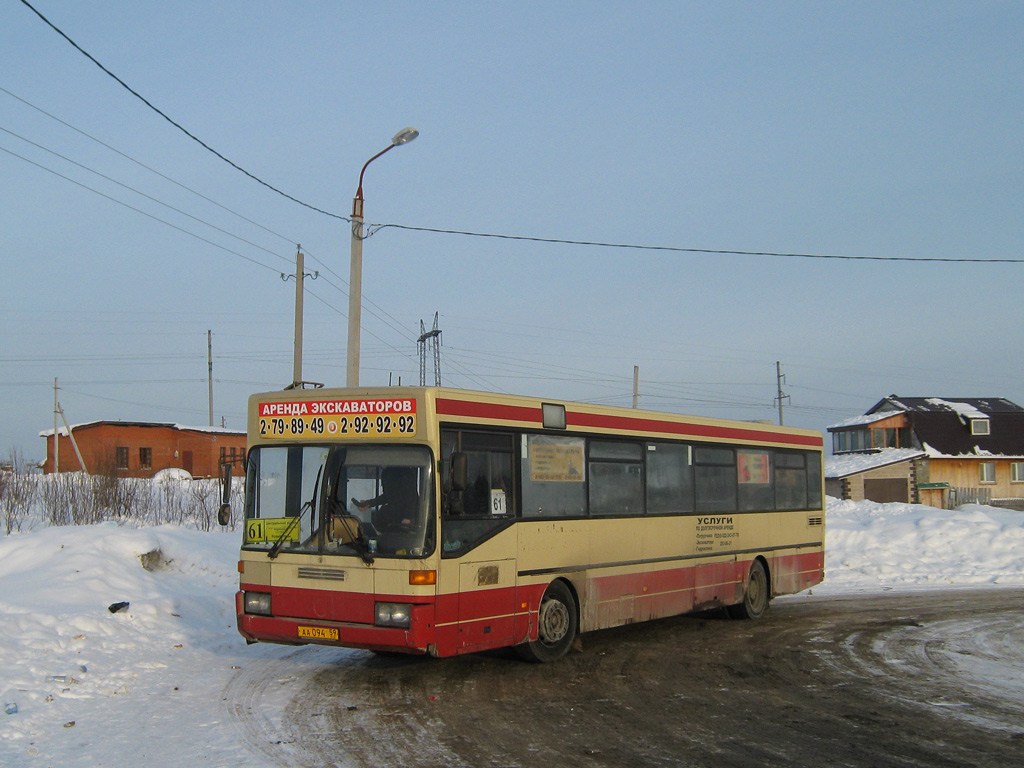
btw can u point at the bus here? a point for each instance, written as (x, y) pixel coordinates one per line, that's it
(439, 521)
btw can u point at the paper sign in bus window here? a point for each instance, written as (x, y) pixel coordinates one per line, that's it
(498, 505)
(753, 467)
(556, 460)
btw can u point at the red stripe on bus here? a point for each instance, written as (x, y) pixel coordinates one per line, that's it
(637, 424)
(494, 411)
(447, 407)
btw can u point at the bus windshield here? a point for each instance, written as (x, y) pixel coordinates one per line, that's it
(356, 500)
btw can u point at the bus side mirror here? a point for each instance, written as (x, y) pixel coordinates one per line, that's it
(459, 471)
(224, 513)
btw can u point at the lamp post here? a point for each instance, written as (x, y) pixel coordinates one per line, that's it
(355, 282)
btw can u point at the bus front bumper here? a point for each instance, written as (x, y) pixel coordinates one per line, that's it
(347, 631)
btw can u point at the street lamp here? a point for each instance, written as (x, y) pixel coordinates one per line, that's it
(355, 282)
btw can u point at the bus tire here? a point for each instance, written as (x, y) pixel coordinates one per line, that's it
(557, 623)
(755, 595)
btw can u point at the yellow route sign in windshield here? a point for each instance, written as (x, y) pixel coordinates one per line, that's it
(272, 529)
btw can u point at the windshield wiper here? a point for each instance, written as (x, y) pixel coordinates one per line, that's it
(280, 539)
(274, 550)
(356, 539)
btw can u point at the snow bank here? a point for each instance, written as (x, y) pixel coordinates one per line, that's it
(95, 687)
(871, 546)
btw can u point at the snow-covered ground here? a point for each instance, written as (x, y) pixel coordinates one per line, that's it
(145, 684)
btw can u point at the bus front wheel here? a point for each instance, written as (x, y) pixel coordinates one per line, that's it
(755, 596)
(556, 626)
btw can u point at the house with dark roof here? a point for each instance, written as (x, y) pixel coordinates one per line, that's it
(931, 450)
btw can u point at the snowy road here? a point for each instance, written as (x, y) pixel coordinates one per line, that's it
(866, 672)
(924, 678)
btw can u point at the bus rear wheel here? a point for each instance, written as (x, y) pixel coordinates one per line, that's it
(557, 622)
(755, 596)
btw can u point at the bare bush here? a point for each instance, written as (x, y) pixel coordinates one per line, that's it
(172, 503)
(237, 500)
(75, 498)
(17, 493)
(59, 494)
(204, 496)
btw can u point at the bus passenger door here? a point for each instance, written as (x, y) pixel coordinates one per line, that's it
(487, 602)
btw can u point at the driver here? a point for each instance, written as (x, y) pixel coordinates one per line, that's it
(396, 506)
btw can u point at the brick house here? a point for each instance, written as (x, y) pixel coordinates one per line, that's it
(141, 449)
(931, 450)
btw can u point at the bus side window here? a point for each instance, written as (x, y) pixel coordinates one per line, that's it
(554, 473)
(715, 479)
(616, 484)
(487, 501)
(790, 480)
(814, 480)
(669, 478)
(489, 481)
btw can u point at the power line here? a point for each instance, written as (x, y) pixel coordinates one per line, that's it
(522, 238)
(195, 138)
(143, 194)
(712, 251)
(139, 210)
(393, 322)
(139, 163)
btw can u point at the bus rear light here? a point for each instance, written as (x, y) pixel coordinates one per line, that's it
(392, 615)
(257, 602)
(419, 578)
(241, 566)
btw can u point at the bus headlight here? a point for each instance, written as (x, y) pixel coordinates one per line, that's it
(392, 615)
(257, 602)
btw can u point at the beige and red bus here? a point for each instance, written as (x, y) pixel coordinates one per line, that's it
(440, 521)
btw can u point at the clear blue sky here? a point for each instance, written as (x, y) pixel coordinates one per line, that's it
(865, 129)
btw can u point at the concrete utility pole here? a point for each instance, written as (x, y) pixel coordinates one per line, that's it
(56, 440)
(780, 377)
(636, 386)
(355, 279)
(71, 436)
(300, 275)
(209, 363)
(58, 411)
(300, 262)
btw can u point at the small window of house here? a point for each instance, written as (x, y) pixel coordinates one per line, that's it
(146, 458)
(1017, 472)
(121, 457)
(987, 472)
(980, 427)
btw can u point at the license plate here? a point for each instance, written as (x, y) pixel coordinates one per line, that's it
(318, 633)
